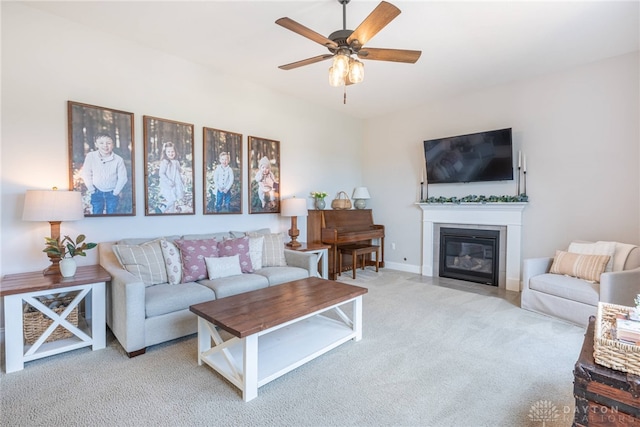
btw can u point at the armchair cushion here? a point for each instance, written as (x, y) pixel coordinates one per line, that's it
(586, 267)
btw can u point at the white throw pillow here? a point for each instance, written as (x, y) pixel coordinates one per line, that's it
(598, 248)
(256, 245)
(223, 266)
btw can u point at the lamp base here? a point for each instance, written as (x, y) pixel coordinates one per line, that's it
(52, 269)
(360, 203)
(294, 244)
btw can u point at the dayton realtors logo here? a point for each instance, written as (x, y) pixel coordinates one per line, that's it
(544, 411)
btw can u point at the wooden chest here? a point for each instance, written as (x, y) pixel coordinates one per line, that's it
(604, 397)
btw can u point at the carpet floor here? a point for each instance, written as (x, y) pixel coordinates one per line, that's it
(435, 352)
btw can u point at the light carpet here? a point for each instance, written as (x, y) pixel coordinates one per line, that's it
(433, 353)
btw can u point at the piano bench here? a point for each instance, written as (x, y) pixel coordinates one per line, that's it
(355, 251)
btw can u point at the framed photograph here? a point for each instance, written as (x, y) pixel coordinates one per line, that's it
(264, 175)
(222, 171)
(168, 174)
(101, 164)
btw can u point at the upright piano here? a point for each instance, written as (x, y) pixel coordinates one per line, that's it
(344, 227)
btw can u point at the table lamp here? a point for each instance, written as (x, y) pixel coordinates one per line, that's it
(294, 208)
(360, 195)
(53, 206)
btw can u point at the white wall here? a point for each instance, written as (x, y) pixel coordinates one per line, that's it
(47, 61)
(579, 130)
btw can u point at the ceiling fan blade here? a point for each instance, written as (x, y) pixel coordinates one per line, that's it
(292, 25)
(377, 20)
(394, 55)
(306, 61)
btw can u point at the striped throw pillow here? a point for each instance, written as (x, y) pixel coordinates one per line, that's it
(144, 261)
(586, 267)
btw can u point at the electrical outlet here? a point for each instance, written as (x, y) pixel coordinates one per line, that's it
(393, 246)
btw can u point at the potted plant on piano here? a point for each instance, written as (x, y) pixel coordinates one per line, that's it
(318, 199)
(66, 249)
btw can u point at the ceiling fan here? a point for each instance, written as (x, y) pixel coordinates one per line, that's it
(345, 45)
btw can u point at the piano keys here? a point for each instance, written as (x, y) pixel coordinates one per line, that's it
(344, 227)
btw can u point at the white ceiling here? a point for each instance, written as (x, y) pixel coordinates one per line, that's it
(465, 46)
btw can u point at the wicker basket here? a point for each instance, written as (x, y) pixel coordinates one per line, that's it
(608, 351)
(341, 202)
(35, 322)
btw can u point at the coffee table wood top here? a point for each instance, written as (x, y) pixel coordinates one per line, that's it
(251, 312)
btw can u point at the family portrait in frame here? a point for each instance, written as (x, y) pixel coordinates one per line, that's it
(101, 159)
(222, 171)
(264, 175)
(169, 175)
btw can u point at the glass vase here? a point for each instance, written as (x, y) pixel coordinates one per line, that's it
(319, 204)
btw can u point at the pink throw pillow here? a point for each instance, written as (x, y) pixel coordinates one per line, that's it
(193, 253)
(239, 246)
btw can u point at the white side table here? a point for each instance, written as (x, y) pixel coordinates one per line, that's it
(18, 289)
(323, 256)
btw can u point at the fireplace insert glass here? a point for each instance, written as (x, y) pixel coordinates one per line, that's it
(469, 254)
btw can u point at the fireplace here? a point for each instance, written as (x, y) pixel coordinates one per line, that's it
(470, 254)
(506, 217)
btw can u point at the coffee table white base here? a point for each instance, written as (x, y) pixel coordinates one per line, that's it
(253, 361)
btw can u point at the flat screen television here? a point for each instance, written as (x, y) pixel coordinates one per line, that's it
(482, 156)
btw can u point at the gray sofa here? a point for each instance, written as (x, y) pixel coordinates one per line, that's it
(142, 313)
(574, 299)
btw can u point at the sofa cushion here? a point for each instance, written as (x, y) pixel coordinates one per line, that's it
(172, 261)
(144, 261)
(223, 266)
(587, 267)
(279, 275)
(233, 285)
(193, 253)
(597, 248)
(206, 236)
(166, 298)
(259, 231)
(569, 288)
(238, 246)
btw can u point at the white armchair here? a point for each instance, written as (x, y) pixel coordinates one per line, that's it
(574, 299)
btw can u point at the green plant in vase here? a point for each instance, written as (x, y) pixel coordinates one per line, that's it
(65, 250)
(318, 197)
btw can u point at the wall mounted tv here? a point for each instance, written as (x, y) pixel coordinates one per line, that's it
(482, 156)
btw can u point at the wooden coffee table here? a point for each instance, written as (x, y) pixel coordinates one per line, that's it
(276, 329)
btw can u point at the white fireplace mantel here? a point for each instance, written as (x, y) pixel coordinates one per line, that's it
(508, 215)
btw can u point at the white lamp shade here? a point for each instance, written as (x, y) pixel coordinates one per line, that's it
(360, 193)
(294, 207)
(52, 205)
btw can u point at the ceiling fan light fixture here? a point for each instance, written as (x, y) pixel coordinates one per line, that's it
(336, 78)
(356, 71)
(341, 63)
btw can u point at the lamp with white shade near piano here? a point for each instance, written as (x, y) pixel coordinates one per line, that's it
(294, 208)
(360, 196)
(53, 206)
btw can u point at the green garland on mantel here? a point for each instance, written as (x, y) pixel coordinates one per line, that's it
(472, 198)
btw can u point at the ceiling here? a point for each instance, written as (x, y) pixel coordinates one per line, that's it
(466, 46)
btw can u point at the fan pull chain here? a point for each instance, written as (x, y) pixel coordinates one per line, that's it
(344, 100)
